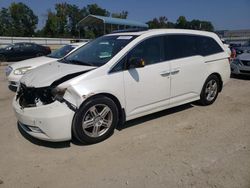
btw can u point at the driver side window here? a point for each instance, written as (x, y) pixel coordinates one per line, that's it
(150, 50)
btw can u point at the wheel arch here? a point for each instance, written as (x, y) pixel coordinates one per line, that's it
(220, 80)
(121, 111)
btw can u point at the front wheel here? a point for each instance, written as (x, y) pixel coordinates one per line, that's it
(96, 120)
(210, 90)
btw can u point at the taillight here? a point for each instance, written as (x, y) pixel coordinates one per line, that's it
(48, 48)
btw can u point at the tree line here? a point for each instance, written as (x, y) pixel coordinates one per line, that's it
(20, 20)
(181, 23)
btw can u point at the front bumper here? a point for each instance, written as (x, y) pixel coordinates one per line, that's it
(240, 69)
(50, 122)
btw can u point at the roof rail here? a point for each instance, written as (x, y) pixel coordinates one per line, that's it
(130, 30)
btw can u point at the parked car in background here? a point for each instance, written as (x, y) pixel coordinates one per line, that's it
(23, 50)
(241, 64)
(119, 77)
(15, 71)
(241, 48)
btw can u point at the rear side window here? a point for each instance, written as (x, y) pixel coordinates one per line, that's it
(207, 46)
(181, 46)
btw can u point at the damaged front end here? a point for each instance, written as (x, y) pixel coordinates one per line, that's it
(33, 97)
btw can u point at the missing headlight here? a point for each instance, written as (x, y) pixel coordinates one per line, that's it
(31, 97)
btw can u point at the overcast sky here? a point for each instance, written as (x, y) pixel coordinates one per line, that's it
(224, 14)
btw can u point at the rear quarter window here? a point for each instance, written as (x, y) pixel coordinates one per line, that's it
(183, 45)
(207, 46)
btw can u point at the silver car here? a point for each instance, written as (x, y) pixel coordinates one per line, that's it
(241, 64)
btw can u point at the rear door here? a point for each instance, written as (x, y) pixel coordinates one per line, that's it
(188, 69)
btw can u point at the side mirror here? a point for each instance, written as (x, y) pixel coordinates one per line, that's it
(135, 63)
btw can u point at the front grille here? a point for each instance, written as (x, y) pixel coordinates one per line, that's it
(246, 63)
(31, 97)
(245, 71)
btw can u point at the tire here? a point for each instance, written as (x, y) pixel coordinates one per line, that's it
(210, 90)
(95, 120)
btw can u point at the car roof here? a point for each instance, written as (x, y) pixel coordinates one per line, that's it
(165, 31)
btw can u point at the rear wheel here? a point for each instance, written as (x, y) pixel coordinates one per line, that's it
(96, 120)
(210, 90)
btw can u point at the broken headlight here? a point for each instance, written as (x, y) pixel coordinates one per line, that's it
(31, 97)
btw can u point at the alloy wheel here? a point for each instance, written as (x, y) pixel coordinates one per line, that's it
(97, 120)
(211, 90)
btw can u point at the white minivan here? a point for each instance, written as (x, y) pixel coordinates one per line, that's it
(119, 77)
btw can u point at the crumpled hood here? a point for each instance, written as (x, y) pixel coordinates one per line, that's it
(33, 62)
(45, 75)
(244, 57)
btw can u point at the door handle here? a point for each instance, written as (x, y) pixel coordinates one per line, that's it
(165, 73)
(175, 72)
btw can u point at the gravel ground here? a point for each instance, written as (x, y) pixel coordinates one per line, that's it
(187, 146)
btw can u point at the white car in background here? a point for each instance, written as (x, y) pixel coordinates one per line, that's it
(241, 64)
(15, 71)
(119, 77)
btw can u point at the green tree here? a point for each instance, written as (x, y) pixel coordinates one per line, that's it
(5, 22)
(207, 26)
(61, 14)
(96, 10)
(161, 22)
(51, 28)
(74, 16)
(24, 21)
(63, 22)
(182, 23)
(18, 20)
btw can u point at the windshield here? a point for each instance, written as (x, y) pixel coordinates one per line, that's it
(99, 51)
(61, 52)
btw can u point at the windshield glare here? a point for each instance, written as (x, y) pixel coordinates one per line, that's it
(99, 51)
(61, 52)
